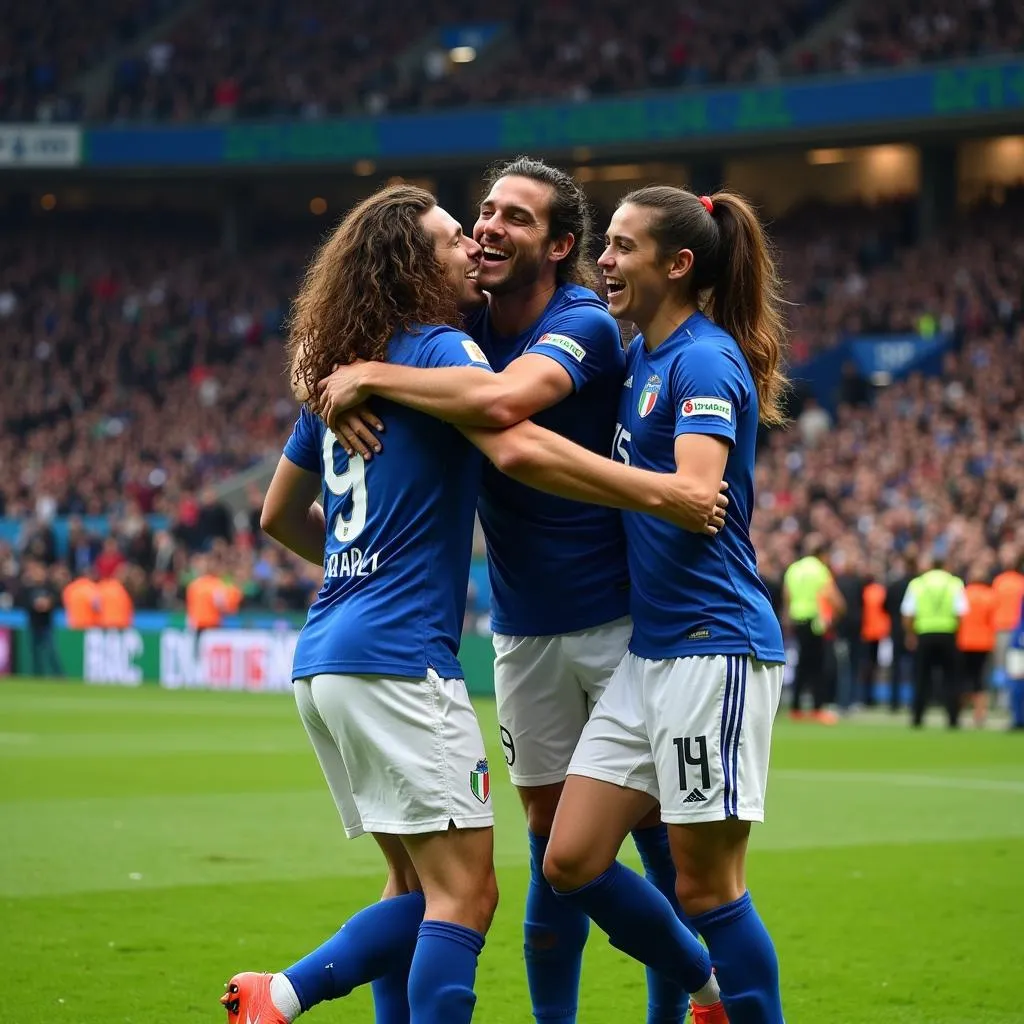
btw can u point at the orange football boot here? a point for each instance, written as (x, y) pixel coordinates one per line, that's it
(248, 1001)
(713, 1014)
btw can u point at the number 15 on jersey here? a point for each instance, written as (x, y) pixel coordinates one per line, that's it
(620, 446)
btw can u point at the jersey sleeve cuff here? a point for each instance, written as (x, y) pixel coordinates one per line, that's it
(708, 427)
(564, 360)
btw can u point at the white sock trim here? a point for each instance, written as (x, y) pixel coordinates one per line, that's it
(709, 994)
(283, 996)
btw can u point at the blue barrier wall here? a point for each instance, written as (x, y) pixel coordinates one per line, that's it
(926, 97)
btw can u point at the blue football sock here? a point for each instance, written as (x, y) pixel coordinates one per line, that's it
(745, 962)
(641, 922)
(367, 947)
(443, 972)
(391, 996)
(1017, 702)
(554, 935)
(667, 1001)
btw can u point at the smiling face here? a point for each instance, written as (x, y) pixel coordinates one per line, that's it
(637, 276)
(514, 228)
(458, 254)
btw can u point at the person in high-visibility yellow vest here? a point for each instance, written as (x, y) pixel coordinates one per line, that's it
(811, 602)
(931, 610)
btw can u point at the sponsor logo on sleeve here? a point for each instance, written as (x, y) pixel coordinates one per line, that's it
(706, 407)
(475, 352)
(574, 348)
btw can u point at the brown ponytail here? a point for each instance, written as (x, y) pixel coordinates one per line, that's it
(734, 280)
(746, 299)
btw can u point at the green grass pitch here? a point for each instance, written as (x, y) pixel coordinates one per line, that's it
(153, 842)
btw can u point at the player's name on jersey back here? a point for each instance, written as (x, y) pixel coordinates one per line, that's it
(352, 562)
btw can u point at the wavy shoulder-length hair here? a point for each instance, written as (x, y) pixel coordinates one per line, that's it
(375, 275)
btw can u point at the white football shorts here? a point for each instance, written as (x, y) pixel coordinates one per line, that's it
(695, 733)
(401, 756)
(546, 687)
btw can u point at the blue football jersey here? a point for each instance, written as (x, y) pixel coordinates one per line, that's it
(399, 533)
(691, 594)
(557, 566)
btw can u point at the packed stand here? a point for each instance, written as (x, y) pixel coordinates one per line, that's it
(123, 373)
(863, 276)
(564, 52)
(45, 47)
(269, 58)
(923, 462)
(310, 60)
(908, 32)
(138, 376)
(929, 462)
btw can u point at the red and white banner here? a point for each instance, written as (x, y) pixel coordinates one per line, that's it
(6, 651)
(228, 659)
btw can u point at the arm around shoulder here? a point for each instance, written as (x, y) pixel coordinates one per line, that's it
(549, 462)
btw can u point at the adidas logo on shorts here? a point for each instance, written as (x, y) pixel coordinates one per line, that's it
(695, 797)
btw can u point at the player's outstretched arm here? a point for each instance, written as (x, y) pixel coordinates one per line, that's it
(459, 395)
(549, 462)
(290, 513)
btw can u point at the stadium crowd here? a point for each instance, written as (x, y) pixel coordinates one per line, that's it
(237, 59)
(142, 375)
(46, 47)
(902, 32)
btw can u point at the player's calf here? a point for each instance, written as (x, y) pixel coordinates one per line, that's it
(456, 869)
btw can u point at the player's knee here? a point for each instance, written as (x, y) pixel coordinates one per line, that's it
(481, 903)
(401, 880)
(567, 868)
(471, 903)
(540, 804)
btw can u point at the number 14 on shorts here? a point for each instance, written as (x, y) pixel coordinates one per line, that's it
(692, 751)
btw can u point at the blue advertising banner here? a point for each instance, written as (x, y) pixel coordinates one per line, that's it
(923, 96)
(896, 355)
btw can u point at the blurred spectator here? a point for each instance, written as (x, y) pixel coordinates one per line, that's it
(110, 558)
(1008, 588)
(214, 520)
(117, 609)
(82, 602)
(876, 626)
(83, 547)
(38, 541)
(208, 598)
(901, 671)
(975, 640)
(40, 598)
(854, 389)
(813, 423)
(850, 581)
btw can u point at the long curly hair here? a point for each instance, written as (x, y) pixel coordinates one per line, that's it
(375, 275)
